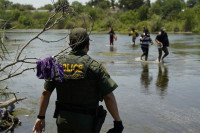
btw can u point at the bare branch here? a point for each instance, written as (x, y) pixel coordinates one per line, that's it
(14, 63)
(8, 65)
(10, 76)
(31, 59)
(5, 93)
(11, 101)
(51, 41)
(17, 57)
(21, 50)
(16, 69)
(50, 18)
(61, 52)
(4, 88)
(28, 62)
(44, 29)
(92, 24)
(55, 22)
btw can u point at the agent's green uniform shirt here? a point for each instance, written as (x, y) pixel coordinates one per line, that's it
(105, 84)
(85, 83)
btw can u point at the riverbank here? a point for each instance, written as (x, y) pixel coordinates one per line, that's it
(99, 32)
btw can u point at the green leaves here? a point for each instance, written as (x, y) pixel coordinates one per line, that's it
(131, 4)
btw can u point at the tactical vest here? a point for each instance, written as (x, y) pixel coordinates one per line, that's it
(79, 87)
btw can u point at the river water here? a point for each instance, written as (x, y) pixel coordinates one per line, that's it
(152, 97)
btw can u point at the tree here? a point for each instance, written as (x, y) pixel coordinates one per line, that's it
(192, 3)
(148, 3)
(2, 14)
(171, 8)
(189, 17)
(14, 6)
(131, 4)
(25, 20)
(93, 13)
(156, 23)
(41, 18)
(78, 7)
(143, 12)
(60, 3)
(129, 17)
(155, 9)
(47, 7)
(1, 6)
(104, 4)
(112, 3)
(15, 14)
(160, 2)
(99, 3)
(27, 7)
(20, 7)
(5, 3)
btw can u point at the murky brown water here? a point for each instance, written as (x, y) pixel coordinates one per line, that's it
(152, 97)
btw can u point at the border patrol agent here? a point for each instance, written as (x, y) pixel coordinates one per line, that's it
(85, 83)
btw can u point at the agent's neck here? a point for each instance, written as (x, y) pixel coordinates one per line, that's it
(86, 49)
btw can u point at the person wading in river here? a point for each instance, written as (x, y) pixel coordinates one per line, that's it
(112, 36)
(163, 43)
(134, 34)
(85, 83)
(145, 39)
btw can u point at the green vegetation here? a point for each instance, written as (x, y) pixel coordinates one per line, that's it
(175, 15)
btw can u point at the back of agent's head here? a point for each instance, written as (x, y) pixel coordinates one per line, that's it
(79, 38)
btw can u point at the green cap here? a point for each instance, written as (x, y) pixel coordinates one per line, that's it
(78, 36)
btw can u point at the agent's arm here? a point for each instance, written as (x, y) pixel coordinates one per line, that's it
(39, 126)
(111, 105)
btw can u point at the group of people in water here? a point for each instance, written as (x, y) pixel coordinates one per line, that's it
(145, 39)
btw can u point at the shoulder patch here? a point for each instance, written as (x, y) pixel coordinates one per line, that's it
(94, 63)
(104, 69)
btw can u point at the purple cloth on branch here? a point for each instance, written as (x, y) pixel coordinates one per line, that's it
(49, 69)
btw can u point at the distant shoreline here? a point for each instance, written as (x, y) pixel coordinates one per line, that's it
(105, 32)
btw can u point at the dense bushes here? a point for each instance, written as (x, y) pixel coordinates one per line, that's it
(175, 15)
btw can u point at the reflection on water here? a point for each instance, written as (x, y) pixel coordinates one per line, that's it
(134, 47)
(162, 80)
(145, 78)
(112, 49)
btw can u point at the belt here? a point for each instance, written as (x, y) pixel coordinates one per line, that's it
(69, 108)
